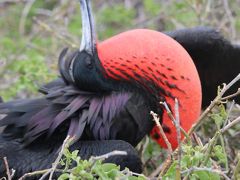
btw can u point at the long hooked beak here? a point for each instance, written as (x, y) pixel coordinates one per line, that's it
(88, 42)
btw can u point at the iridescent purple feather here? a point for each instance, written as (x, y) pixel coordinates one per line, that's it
(64, 103)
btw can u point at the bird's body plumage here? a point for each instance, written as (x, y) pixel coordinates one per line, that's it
(85, 115)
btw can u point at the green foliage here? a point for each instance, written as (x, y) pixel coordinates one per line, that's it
(154, 152)
(24, 56)
(114, 18)
(182, 14)
(152, 7)
(220, 116)
(91, 169)
(31, 70)
(75, 25)
(30, 76)
(193, 157)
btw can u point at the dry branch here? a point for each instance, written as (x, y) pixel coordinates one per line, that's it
(107, 155)
(157, 121)
(214, 103)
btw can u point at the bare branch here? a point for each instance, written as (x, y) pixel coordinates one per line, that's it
(51, 171)
(231, 96)
(130, 173)
(107, 155)
(24, 15)
(177, 117)
(213, 103)
(232, 123)
(157, 121)
(46, 27)
(170, 115)
(9, 175)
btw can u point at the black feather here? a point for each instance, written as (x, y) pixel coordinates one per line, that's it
(40, 156)
(217, 60)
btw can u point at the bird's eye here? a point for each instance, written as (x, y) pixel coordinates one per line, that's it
(88, 62)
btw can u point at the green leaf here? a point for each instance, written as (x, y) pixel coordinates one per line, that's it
(99, 171)
(64, 176)
(218, 119)
(171, 173)
(186, 161)
(114, 173)
(109, 166)
(136, 178)
(197, 158)
(218, 153)
(202, 175)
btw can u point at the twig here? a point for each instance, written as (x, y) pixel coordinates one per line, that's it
(51, 171)
(216, 136)
(176, 122)
(46, 27)
(7, 168)
(213, 103)
(231, 96)
(232, 123)
(170, 115)
(107, 155)
(24, 15)
(165, 166)
(130, 173)
(40, 172)
(169, 146)
(177, 117)
(156, 171)
(197, 139)
(143, 147)
(228, 113)
(168, 161)
(210, 147)
(223, 145)
(236, 172)
(157, 121)
(34, 173)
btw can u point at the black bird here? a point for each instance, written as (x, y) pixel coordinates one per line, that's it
(92, 102)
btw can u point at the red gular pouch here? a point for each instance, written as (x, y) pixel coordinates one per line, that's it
(151, 57)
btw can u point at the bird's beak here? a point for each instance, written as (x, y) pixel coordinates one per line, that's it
(88, 42)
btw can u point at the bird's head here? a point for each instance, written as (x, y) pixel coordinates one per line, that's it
(143, 58)
(84, 68)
